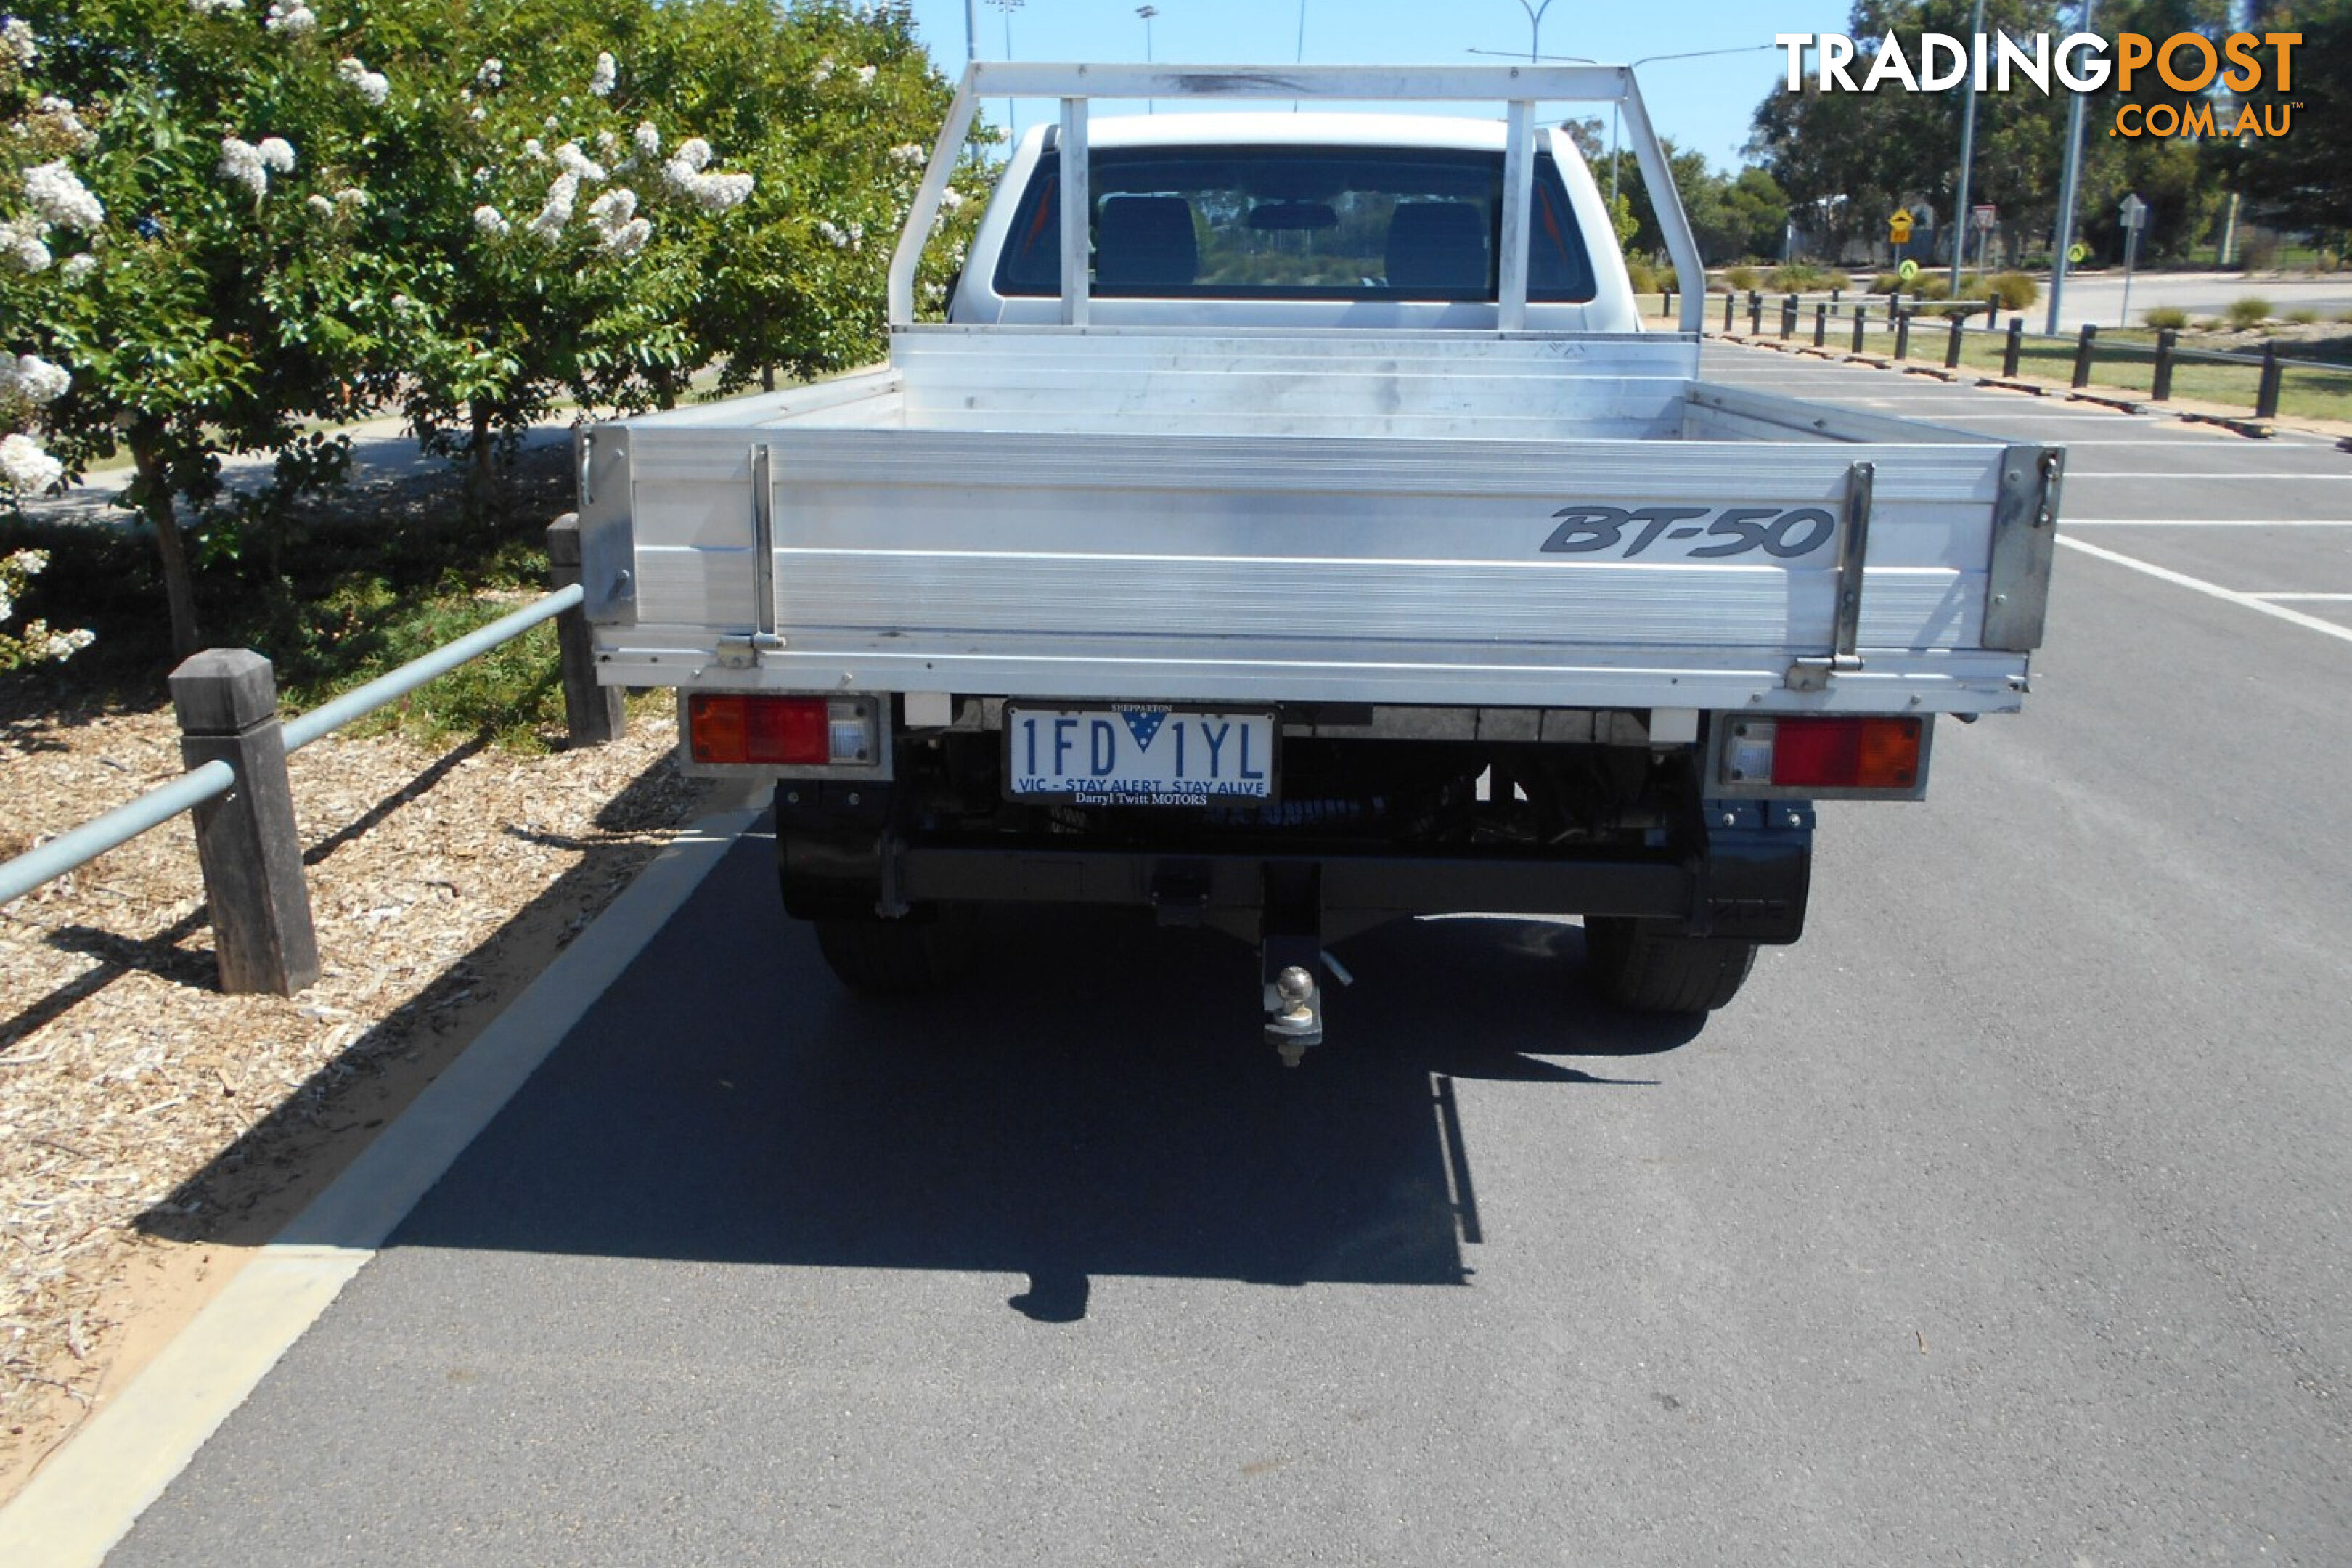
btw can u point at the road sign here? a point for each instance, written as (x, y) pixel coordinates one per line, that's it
(1985, 217)
(2078, 253)
(2135, 213)
(1907, 272)
(1898, 227)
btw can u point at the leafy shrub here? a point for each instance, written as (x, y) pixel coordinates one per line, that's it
(1836, 280)
(2260, 255)
(1932, 285)
(2164, 317)
(2303, 318)
(1740, 278)
(1795, 278)
(1668, 279)
(1643, 277)
(2249, 310)
(1886, 283)
(2015, 290)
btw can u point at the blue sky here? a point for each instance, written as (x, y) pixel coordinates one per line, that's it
(1701, 103)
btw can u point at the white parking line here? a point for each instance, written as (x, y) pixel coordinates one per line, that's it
(2214, 590)
(2161, 474)
(2310, 599)
(2209, 522)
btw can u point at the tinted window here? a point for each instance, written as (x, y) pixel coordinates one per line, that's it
(1319, 223)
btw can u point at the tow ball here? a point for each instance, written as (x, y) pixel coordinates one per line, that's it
(1296, 1020)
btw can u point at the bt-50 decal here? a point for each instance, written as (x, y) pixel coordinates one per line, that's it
(1624, 532)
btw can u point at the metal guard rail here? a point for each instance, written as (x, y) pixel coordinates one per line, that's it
(82, 845)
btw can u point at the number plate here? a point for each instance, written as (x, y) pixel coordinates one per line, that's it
(1140, 753)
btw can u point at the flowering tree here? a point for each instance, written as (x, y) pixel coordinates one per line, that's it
(185, 258)
(224, 221)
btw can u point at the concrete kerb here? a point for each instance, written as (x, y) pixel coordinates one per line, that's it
(88, 1495)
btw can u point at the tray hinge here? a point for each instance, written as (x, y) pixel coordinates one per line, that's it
(1854, 545)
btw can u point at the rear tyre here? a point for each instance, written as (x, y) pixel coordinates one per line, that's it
(1645, 970)
(924, 952)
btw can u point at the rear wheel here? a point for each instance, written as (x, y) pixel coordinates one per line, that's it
(1645, 970)
(925, 952)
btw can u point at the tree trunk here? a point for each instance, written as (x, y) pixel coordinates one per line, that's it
(477, 460)
(767, 378)
(179, 582)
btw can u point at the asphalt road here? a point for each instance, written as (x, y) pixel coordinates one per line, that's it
(2001, 1221)
(2099, 296)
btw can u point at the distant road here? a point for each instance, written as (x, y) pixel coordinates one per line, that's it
(2099, 296)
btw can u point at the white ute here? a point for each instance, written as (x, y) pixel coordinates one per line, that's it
(1291, 530)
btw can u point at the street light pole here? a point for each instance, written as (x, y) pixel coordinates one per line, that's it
(1650, 60)
(1146, 13)
(1967, 147)
(1535, 27)
(2059, 258)
(1012, 109)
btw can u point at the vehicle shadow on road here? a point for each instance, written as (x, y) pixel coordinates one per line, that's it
(1099, 1101)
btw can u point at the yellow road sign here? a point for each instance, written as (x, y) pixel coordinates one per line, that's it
(1907, 272)
(1899, 226)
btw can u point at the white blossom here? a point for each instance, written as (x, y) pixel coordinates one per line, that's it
(292, 17)
(694, 152)
(629, 239)
(320, 205)
(607, 142)
(607, 74)
(952, 200)
(532, 150)
(16, 34)
(276, 154)
(59, 113)
(27, 467)
(548, 223)
(350, 196)
(908, 152)
(61, 198)
(34, 379)
(866, 76)
(493, 72)
(572, 161)
(614, 208)
(20, 239)
(64, 645)
(373, 86)
(647, 140)
(823, 72)
(240, 161)
(837, 238)
(215, 7)
(477, 112)
(492, 222)
(77, 267)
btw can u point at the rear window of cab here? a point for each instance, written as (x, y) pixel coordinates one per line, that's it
(1296, 223)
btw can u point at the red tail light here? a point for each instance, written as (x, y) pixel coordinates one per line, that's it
(1846, 754)
(772, 730)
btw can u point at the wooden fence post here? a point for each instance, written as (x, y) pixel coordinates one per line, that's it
(1729, 304)
(227, 700)
(2160, 387)
(1821, 325)
(1789, 317)
(1860, 323)
(593, 714)
(2010, 350)
(2266, 394)
(1952, 342)
(1901, 333)
(1755, 314)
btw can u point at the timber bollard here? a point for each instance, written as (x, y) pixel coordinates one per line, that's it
(1901, 333)
(2267, 393)
(1755, 314)
(1952, 343)
(246, 843)
(1860, 323)
(1666, 304)
(2083, 349)
(1821, 325)
(2160, 386)
(2010, 350)
(592, 714)
(1789, 317)
(1729, 304)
